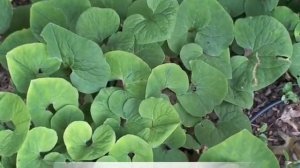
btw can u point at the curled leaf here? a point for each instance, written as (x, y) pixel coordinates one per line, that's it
(83, 144)
(131, 144)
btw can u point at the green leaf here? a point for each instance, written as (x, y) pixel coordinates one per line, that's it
(258, 7)
(82, 144)
(120, 7)
(131, 144)
(186, 119)
(97, 24)
(177, 138)
(241, 98)
(268, 47)
(166, 76)
(151, 20)
(107, 158)
(191, 143)
(208, 89)
(39, 140)
(231, 120)
(152, 54)
(63, 117)
(193, 51)
(233, 7)
(42, 13)
(200, 22)
(297, 32)
(286, 16)
(120, 41)
(173, 155)
(20, 19)
(129, 68)
(15, 119)
(6, 13)
(15, 39)
(90, 71)
(295, 59)
(116, 102)
(162, 120)
(99, 108)
(71, 9)
(28, 62)
(55, 92)
(241, 147)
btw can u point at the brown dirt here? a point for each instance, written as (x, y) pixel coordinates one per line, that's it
(5, 83)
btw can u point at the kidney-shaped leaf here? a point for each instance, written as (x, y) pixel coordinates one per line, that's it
(151, 20)
(97, 24)
(40, 140)
(38, 21)
(297, 32)
(28, 62)
(129, 68)
(166, 76)
(90, 71)
(208, 89)
(200, 22)
(14, 40)
(241, 147)
(14, 123)
(286, 16)
(233, 7)
(82, 144)
(45, 95)
(131, 144)
(63, 117)
(100, 110)
(268, 47)
(172, 155)
(164, 120)
(6, 13)
(231, 120)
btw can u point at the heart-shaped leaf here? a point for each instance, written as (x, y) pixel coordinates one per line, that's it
(129, 68)
(14, 40)
(255, 152)
(286, 16)
(90, 71)
(131, 144)
(151, 20)
(297, 32)
(268, 47)
(100, 110)
(82, 144)
(28, 62)
(14, 123)
(162, 120)
(231, 120)
(97, 24)
(208, 89)
(55, 92)
(38, 21)
(186, 118)
(191, 143)
(166, 76)
(199, 22)
(193, 51)
(6, 13)
(63, 117)
(40, 140)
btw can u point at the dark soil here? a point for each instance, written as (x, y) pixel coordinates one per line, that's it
(20, 2)
(264, 98)
(5, 83)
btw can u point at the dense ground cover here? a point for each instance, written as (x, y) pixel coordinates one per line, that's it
(143, 80)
